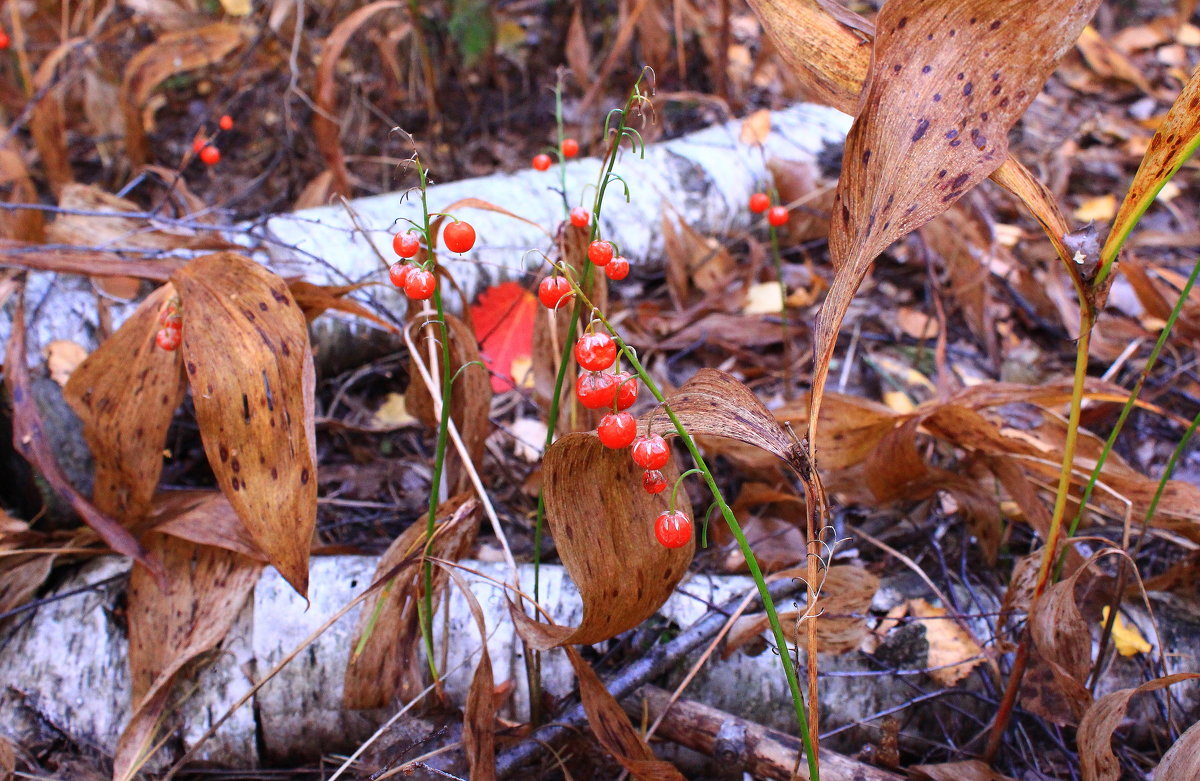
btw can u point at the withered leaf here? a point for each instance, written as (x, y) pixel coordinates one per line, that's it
(968, 770)
(205, 518)
(169, 628)
(1096, 759)
(30, 441)
(1182, 760)
(603, 525)
(479, 712)
(247, 356)
(314, 300)
(126, 393)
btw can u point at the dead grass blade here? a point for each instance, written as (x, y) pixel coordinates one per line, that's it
(126, 393)
(247, 356)
(1096, 759)
(30, 441)
(325, 126)
(385, 664)
(169, 628)
(612, 729)
(603, 525)
(172, 53)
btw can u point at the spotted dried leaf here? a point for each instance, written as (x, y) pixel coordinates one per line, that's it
(126, 393)
(247, 356)
(169, 628)
(205, 518)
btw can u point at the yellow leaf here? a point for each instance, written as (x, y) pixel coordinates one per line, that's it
(236, 7)
(1126, 637)
(949, 644)
(1101, 208)
(756, 128)
(898, 401)
(764, 298)
(62, 356)
(393, 413)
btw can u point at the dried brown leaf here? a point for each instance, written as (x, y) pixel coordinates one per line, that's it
(1096, 759)
(325, 126)
(20, 224)
(604, 529)
(388, 665)
(126, 393)
(756, 128)
(693, 258)
(19, 254)
(100, 223)
(168, 629)
(479, 712)
(1182, 760)
(1064, 641)
(578, 52)
(949, 644)
(247, 356)
(47, 123)
(205, 518)
(612, 729)
(314, 300)
(968, 770)
(173, 53)
(30, 441)
(1108, 61)
(853, 426)
(21, 575)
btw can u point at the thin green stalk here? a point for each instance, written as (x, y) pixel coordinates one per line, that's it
(1172, 462)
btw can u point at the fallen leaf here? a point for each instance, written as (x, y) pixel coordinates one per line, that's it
(1064, 641)
(393, 413)
(247, 357)
(479, 712)
(1126, 638)
(236, 7)
(1101, 208)
(693, 259)
(62, 358)
(126, 394)
(1182, 760)
(18, 224)
(949, 644)
(756, 128)
(504, 319)
(968, 770)
(578, 52)
(314, 300)
(764, 298)
(1108, 61)
(917, 324)
(205, 518)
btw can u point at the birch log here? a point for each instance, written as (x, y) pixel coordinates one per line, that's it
(706, 177)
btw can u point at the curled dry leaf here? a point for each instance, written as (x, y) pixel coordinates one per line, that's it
(126, 393)
(247, 356)
(170, 627)
(205, 518)
(30, 441)
(385, 664)
(21, 575)
(612, 729)
(22, 224)
(171, 54)
(603, 525)
(325, 128)
(952, 649)
(1182, 760)
(479, 712)
(47, 123)
(693, 258)
(470, 398)
(944, 89)
(314, 300)
(1096, 759)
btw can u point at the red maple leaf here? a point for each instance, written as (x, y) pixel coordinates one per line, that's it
(503, 320)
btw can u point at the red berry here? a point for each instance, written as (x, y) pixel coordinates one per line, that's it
(168, 338)
(617, 268)
(459, 236)
(570, 147)
(673, 529)
(596, 390)
(174, 321)
(617, 430)
(654, 482)
(600, 252)
(225, 122)
(554, 292)
(399, 272)
(406, 244)
(595, 352)
(651, 452)
(5, 41)
(777, 216)
(420, 284)
(627, 390)
(210, 155)
(542, 162)
(580, 217)
(198, 144)
(759, 203)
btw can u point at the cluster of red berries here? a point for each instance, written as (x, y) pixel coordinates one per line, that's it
(602, 254)
(417, 282)
(170, 334)
(542, 161)
(777, 215)
(208, 152)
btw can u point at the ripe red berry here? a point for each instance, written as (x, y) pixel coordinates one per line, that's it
(617, 268)
(600, 252)
(627, 390)
(398, 273)
(420, 284)
(210, 155)
(580, 217)
(617, 430)
(570, 147)
(172, 320)
(459, 236)
(759, 203)
(168, 338)
(225, 122)
(406, 244)
(653, 482)
(554, 292)
(542, 162)
(651, 452)
(673, 529)
(5, 41)
(595, 352)
(596, 390)
(198, 144)
(777, 216)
